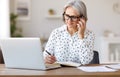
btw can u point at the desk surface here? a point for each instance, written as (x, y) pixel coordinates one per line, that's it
(60, 72)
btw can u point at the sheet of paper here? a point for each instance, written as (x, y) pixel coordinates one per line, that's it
(114, 66)
(96, 69)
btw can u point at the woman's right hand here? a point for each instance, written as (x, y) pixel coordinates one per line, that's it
(50, 59)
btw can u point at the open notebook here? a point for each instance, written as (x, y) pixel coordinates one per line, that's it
(25, 53)
(69, 63)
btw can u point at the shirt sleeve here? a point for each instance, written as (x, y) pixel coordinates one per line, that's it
(50, 44)
(86, 48)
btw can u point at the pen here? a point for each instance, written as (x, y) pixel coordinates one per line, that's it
(48, 52)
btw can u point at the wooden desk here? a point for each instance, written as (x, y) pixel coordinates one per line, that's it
(60, 72)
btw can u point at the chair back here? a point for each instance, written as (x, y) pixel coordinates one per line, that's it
(95, 58)
(1, 57)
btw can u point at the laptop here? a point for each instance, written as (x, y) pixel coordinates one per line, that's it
(24, 53)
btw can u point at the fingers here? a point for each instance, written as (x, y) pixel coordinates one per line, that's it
(50, 59)
(82, 23)
(81, 28)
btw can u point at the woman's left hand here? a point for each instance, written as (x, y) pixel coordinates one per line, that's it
(81, 27)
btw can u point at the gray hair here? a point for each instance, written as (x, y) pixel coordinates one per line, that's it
(79, 6)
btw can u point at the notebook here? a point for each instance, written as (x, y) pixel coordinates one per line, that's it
(24, 53)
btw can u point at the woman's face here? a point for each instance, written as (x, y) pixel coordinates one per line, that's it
(71, 17)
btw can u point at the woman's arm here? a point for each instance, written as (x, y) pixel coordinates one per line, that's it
(86, 48)
(49, 58)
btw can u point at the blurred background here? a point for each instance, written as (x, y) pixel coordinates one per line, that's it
(37, 18)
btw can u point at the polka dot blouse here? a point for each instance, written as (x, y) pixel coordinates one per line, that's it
(70, 48)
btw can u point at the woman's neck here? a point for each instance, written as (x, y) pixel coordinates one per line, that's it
(72, 30)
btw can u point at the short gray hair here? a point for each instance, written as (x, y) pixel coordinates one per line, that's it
(79, 6)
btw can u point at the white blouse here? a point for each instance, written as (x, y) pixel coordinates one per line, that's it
(70, 48)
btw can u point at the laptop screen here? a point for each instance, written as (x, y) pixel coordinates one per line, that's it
(22, 53)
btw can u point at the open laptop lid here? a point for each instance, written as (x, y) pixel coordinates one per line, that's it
(22, 53)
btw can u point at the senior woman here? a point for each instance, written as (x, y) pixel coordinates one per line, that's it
(72, 41)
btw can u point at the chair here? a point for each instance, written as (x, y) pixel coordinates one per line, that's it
(1, 57)
(95, 58)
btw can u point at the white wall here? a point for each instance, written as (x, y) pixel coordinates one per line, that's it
(4, 19)
(100, 17)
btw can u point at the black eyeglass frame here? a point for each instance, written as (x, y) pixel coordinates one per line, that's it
(70, 17)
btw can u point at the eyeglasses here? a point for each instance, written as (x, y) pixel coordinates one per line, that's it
(72, 18)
